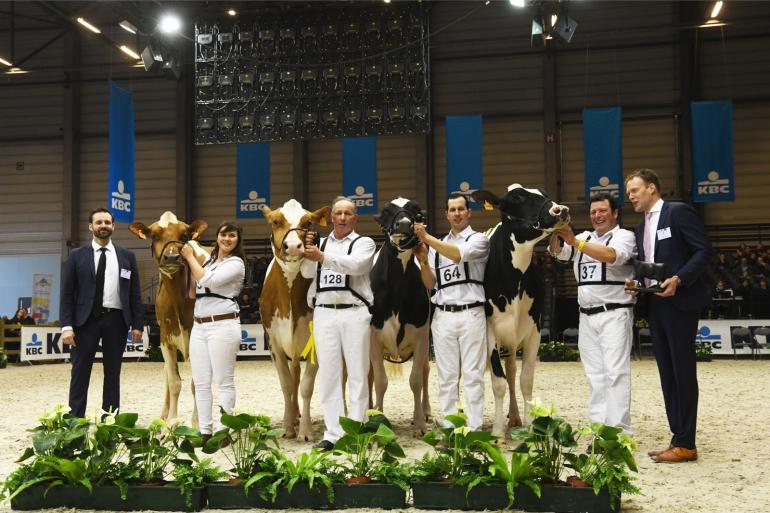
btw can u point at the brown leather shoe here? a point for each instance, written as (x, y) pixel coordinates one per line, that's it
(654, 452)
(676, 455)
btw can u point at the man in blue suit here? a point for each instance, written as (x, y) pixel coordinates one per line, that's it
(100, 300)
(672, 234)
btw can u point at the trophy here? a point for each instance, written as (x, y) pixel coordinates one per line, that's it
(650, 270)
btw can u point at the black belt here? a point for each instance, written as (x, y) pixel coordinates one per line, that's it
(337, 307)
(459, 308)
(98, 312)
(220, 317)
(605, 308)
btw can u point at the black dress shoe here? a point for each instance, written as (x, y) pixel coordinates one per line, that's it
(205, 437)
(324, 446)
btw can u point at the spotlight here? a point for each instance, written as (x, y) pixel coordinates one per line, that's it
(172, 68)
(90, 27)
(16, 71)
(232, 12)
(565, 28)
(170, 24)
(128, 51)
(518, 3)
(5, 62)
(128, 26)
(152, 59)
(537, 29)
(715, 10)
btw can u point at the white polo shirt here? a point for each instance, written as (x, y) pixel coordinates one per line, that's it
(225, 278)
(600, 283)
(461, 283)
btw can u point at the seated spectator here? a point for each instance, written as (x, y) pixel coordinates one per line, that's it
(249, 309)
(721, 307)
(20, 317)
(761, 300)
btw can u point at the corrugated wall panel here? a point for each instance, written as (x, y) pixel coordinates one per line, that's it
(751, 125)
(31, 206)
(513, 153)
(644, 76)
(396, 176)
(155, 184)
(215, 180)
(737, 69)
(646, 143)
(325, 170)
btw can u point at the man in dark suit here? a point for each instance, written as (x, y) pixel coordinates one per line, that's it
(673, 234)
(100, 300)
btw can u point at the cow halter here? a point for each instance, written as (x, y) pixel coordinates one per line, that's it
(410, 241)
(170, 270)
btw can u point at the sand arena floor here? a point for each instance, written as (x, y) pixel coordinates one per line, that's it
(734, 421)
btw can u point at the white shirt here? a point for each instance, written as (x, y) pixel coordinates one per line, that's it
(651, 226)
(474, 252)
(588, 269)
(223, 277)
(111, 297)
(357, 265)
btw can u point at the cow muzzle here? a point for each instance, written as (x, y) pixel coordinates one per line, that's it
(402, 235)
(560, 211)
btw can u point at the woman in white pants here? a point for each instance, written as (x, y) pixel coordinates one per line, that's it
(216, 333)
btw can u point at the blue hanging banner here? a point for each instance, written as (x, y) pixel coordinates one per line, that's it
(359, 172)
(464, 156)
(603, 152)
(121, 190)
(252, 179)
(713, 171)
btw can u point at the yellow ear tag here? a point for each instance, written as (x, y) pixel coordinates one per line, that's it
(310, 346)
(488, 206)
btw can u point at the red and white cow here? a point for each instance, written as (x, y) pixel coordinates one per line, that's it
(285, 312)
(173, 309)
(514, 292)
(401, 308)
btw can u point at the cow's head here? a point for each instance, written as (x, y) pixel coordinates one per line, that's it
(289, 225)
(397, 222)
(167, 235)
(525, 208)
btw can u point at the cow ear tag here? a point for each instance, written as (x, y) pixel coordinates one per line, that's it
(488, 206)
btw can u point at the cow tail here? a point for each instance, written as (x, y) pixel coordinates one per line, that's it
(497, 366)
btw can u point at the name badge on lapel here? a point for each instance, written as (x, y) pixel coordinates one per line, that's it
(125, 273)
(664, 233)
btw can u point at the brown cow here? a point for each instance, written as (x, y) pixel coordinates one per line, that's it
(285, 312)
(174, 310)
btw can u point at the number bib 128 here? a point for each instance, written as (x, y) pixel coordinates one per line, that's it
(330, 278)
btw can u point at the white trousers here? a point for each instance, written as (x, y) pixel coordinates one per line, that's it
(213, 348)
(460, 345)
(342, 335)
(604, 342)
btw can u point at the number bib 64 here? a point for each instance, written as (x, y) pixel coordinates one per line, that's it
(452, 274)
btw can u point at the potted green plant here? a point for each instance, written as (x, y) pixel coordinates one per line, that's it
(703, 352)
(305, 482)
(449, 479)
(372, 478)
(605, 468)
(246, 439)
(556, 351)
(517, 472)
(550, 442)
(194, 475)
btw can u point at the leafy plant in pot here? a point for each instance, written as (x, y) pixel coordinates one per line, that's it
(607, 464)
(154, 448)
(249, 437)
(548, 440)
(518, 471)
(367, 445)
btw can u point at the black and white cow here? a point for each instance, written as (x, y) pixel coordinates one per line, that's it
(401, 308)
(514, 292)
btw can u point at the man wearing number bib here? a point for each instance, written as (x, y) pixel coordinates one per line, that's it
(454, 266)
(341, 295)
(601, 260)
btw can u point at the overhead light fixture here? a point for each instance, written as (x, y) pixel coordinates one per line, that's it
(518, 3)
(127, 26)
(232, 12)
(152, 59)
(554, 19)
(170, 24)
(138, 64)
(87, 25)
(386, 1)
(5, 62)
(565, 28)
(16, 71)
(712, 23)
(715, 10)
(128, 51)
(537, 29)
(172, 68)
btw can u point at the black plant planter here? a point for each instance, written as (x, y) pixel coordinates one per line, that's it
(224, 495)
(369, 495)
(302, 497)
(564, 499)
(448, 496)
(156, 498)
